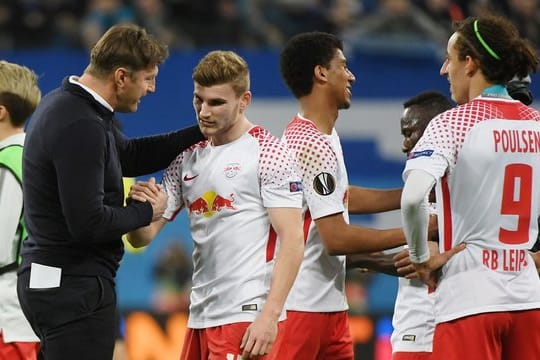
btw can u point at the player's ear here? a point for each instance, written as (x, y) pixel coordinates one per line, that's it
(471, 66)
(320, 73)
(120, 76)
(245, 100)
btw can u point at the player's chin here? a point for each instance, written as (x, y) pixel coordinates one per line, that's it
(206, 131)
(345, 104)
(128, 108)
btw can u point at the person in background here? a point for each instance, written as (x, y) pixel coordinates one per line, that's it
(243, 196)
(74, 160)
(483, 158)
(413, 319)
(19, 96)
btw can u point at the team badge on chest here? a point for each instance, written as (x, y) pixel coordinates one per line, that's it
(231, 170)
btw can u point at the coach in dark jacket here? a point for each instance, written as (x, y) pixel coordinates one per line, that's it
(73, 164)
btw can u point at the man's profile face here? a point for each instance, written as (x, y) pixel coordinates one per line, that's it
(137, 84)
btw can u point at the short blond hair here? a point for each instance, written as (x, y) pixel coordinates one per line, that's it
(19, 91)
(223, 67)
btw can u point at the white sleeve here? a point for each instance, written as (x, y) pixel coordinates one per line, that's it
(415, 213)
(11, 203)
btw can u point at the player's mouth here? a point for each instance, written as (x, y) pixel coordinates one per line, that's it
(206, 123)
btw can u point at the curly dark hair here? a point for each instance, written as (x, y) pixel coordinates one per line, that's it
(300, 56)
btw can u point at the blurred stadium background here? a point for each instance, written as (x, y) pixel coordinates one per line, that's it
(392, 54)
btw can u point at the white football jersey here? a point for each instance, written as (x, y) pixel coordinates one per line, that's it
(226, 190)
(320, 284)
(414, 317)
(486, 154)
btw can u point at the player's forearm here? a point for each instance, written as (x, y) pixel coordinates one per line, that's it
(380, 262)
(350, 239)
(415, 214)
(367, 201)
(144, 235)
(288, 260)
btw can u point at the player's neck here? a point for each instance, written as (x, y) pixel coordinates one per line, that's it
(6, 130)
(320, 113)
(102, 87)
(233, 133)
(477, 86)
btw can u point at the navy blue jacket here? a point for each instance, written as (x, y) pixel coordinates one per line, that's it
(74, 159)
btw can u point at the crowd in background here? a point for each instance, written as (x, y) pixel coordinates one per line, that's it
(185, 24)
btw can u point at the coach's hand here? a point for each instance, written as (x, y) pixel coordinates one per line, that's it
(153, 193)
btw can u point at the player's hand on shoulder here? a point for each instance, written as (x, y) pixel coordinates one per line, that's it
(259, 337)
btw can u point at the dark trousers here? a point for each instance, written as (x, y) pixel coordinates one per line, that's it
(73, 321)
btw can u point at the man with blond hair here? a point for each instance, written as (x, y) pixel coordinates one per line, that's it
(243, 197)
(19, 96)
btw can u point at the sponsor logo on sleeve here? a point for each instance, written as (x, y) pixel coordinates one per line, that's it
(295, 186)
(324, 184)
(417, 154)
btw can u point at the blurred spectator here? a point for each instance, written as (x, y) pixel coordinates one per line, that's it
(291, 17)
(443, 12)
(343, 14)
(484, 7)
(356, 288)
(67, 15)
(525, 14)
(172, 274)
(100, 16)
(155, 17)
(406, 26)
(7, 24)
(397, 26)
(34, 24)
(211, 22)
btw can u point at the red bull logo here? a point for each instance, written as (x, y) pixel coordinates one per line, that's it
(210, 203)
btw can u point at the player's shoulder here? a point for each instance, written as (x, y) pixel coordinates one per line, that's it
(302, 127)
(529, 113)
(261, 134)
(201, 145)
(197, 146)
(472, 111)
(301, 134)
